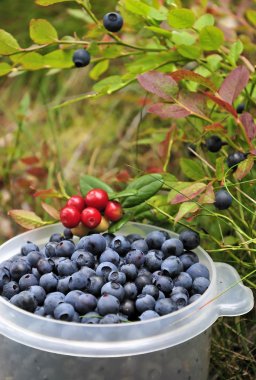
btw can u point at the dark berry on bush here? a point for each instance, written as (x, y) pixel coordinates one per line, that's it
(184, 280)
(200, 284)
(240, 108)
(39, 293)
(49, 282)
(109, 255)
(10, 289)
(28, 247)
(113, 22)
(223, 199)
(130, 270)
(155, 239)
(172, 247)
(57, 238)
(190, 239)
(108, 304)
(85, 302)
(25, 300)
(235, 158)
(81, 58)
(141, 281)
(18, 269)
(65, 249)
(118, 277)
(144, 302)
(198, 270)
(130, 290)
(148, 314)
(164, 283)
(165, 306)
(213, 143)
(121, 245)
(153, 260)
(172, 266)
(64, 312)
(94, 285)
(188, 259)
(152, 290)
(27, 280)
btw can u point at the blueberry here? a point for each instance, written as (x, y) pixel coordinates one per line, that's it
(133, 237)
(161, 295)
(40, 311)
(67, 267)
(198, 270)
(45, 266)
(116, 276)
(235, 158)
(240, 108)
(172, 247)
(152, 290)
(109, 319)
(4, 277)
(130, 290)
(127, 307)
(65, 248)
(72, 296)
(51, 301)
(39, 293)
(85, 302)
(91, 318)
(114, 289)
(144, 302)
(108, 304)
(28, 247)
(148, 314)
(81, 58)
(180, 299)
(200, 284)
(193, 298)
(141, 245)
(109, 255)
(63, 285)
(94, 285)
(87, 272)
(18, 269)
(190, 239)
(172, 266)
(121, 245)
(10, 289)
(67, 233)
(153, 260)
(83, 258)
(156, 275)
(6, 264)
(105, 268)
(164, 283)
(108, 237)
(49, 282)
(213, 143)
(50, 249)
(64, 312)
(130, 271)
(25, 300)
(33, 257)
(78, 281)
(165, 306)
(142, 281)
(223, 199)
(35, 272)
(113, 22)
(94, 243)
(57, 238)
(144, 271)
(135, 257)
(188, 259)
(179, 289)
(27, 280)
(155, 239)
(184, 280)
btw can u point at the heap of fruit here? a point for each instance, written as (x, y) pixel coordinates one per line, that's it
(93, 212)
(105, 278)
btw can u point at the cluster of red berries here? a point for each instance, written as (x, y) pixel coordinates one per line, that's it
(90, 211)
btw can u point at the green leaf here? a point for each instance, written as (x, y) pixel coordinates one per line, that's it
(183, 38)
(205, 20)
(123, 194)
(185, 209)
(109, 84)
(213, 62)
(191, 169)
(137, 7)
(88, 182)
(32, 61)
(220, 168)
(235, 52)
(181, 18)
(251, 16)
(159, 31)
(42, 32)
(45, 3)
(192, 52)
(8, 44)
(211, 38)
(119, 224)
(4, 69)
(27, 219)
(147, 186)
(99, 69)
(59, 59)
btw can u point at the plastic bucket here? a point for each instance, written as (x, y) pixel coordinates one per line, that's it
(175, 346)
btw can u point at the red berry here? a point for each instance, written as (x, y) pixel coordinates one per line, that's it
(97, 198)
(70, 216)
(113, 211)
(76, 201)
(91, 217)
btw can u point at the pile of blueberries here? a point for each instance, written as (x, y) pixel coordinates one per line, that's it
(105, 278)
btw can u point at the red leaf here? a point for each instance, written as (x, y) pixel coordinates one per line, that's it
(166, 111)
(249, 125)
(234, 84)
(244, 168)
(253, 152)
(208, 196)
(31, 160)
(214, 127)
(38, 172)
(222, 103)
(164, 145)
(190, 75)
(193, 103)
(123, 176)
(189, 193)
(159, 84)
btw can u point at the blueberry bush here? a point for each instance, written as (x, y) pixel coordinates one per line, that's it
(189, 68)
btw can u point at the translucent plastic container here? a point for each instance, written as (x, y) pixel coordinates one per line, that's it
(175, 346)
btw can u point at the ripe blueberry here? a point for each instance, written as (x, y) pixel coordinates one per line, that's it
(81, 58)
(113, 22)
(222, 199)
(190, 239)
(235, 158)
(213, 143)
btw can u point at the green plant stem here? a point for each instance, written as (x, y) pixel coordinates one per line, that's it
(88, 11)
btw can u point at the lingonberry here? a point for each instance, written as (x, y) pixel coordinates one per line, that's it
(113, 211)
(76, 201)
(97, 198)
(91, 217)
(70, 216)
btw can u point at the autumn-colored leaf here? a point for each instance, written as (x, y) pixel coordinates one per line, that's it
(222, 103)
(189, 193)
(49, 193)
(193, 103)
(208, 196)
(234, 84)
(244, 168)
(249, 125)
(159, 84)
(38, 172)
(190, 75)
(55, 214)
(165, 110)
(214, 127)
(30, 160)
(164, 146)
(185, 209)
(27, 219)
